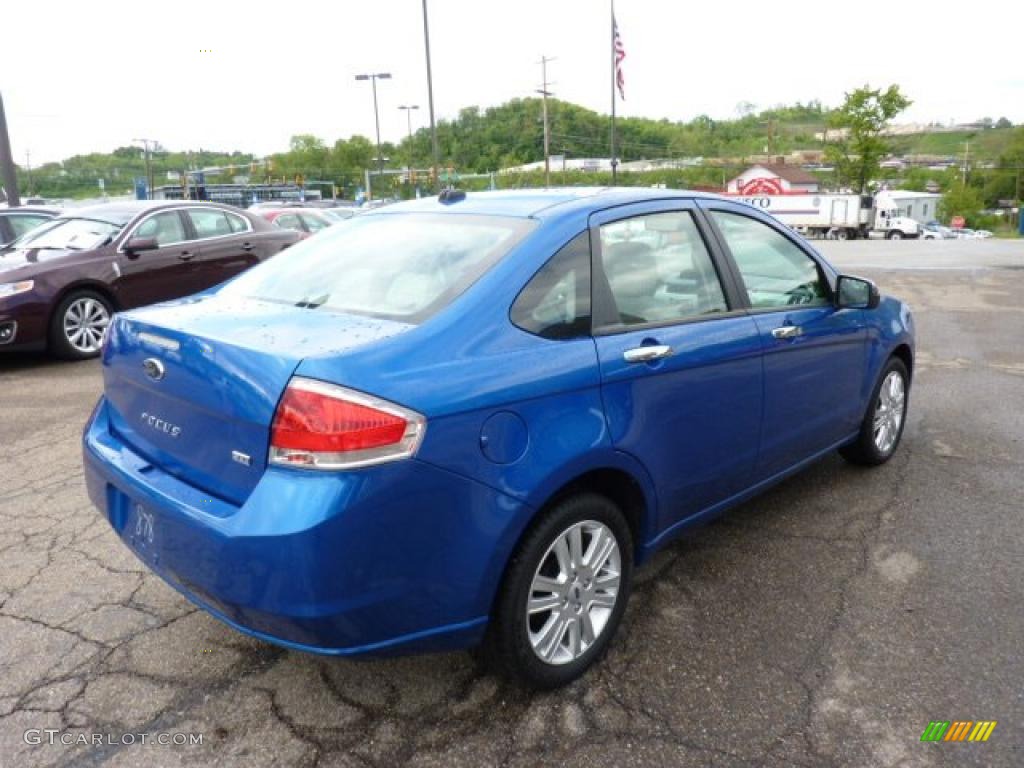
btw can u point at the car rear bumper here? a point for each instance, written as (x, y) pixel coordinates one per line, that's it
(396, 558)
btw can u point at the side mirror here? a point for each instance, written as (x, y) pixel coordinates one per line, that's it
(856, 293)
(139, 244)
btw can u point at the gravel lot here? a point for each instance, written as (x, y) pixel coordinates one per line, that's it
(824, 624)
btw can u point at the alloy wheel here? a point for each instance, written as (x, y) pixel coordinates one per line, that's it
(889, 412)
(574, 592)
(85, 321)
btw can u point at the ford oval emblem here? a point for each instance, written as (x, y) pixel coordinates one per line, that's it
(154, 368)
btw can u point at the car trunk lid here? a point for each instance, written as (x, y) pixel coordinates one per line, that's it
(194, 384)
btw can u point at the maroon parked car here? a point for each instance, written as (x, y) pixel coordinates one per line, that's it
(60, 283)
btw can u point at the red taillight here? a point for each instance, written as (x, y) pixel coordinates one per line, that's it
(325, 426)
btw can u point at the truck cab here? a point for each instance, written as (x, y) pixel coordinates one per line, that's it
(889, 219)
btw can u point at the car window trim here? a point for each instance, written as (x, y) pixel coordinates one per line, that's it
(725, 206)
(186, 223)
(602, 305)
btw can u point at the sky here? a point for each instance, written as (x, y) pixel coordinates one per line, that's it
(226, 75)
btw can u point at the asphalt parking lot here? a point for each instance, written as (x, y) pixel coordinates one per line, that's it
(823, 624)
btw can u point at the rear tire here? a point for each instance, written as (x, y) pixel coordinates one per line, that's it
(78, 324)
(882, 427)
(568, 583)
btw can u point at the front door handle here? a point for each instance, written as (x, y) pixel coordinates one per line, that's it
(786, 332)
(186, 255)
(647, 354)
(247, 246)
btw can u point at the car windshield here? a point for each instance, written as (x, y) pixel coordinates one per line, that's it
(402, 267)
(73, 234)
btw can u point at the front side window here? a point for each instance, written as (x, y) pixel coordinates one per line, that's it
(165, 227)
(398, 266)
(659, 269)
(775, 272)
(555, 303)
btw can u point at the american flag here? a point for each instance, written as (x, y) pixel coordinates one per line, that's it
(620, 54)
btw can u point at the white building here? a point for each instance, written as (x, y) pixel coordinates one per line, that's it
(773, 180)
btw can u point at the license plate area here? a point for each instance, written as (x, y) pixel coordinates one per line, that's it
(142, 530)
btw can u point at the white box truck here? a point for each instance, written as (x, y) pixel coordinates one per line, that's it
(844, 217)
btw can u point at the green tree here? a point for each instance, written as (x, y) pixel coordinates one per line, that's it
(859, 124)
(961, 200)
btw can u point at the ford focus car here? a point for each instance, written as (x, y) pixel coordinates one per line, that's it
(61, 282)
(467, 419)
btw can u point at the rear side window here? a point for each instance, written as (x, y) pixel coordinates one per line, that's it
(555, 303)
(313, 223)
(238, 224)
(402, 267)
(289, 221)
(659, 270)
(209, 223)
(22, 224)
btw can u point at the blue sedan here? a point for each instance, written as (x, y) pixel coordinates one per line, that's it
(467, 419)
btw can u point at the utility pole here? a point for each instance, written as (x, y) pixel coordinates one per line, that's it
(7, 173)
(28, 170)
(967, 150)
(149, 167)
(430, 95)
(544, 92)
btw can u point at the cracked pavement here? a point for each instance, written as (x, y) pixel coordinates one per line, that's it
(822, 624)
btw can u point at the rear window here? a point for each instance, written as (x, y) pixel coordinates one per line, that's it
(397, 266)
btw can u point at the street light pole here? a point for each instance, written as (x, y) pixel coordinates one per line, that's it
(430, 95)
(408, 108)
(373, 78)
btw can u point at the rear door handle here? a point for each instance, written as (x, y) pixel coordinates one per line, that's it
(786, 332)
(647, 354)
(247, 246)
(186, 255)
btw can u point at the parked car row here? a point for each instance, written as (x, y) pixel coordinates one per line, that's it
(933, 230)
(61, 282)
(305, 221)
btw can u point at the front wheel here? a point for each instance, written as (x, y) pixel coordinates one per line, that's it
(78, 324)
(895, 235)
(564, 593)
(882, 427)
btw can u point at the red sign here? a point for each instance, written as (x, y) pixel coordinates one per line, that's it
(957, 222)
(762, 186)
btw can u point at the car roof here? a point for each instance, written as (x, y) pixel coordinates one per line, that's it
(126, 210)
(528, 203)
(48, 209)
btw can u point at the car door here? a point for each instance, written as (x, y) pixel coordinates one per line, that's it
(680, 359)
(163, 273)
(815, 354)
(226, 243)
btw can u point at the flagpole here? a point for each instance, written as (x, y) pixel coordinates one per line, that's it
(612, 41)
